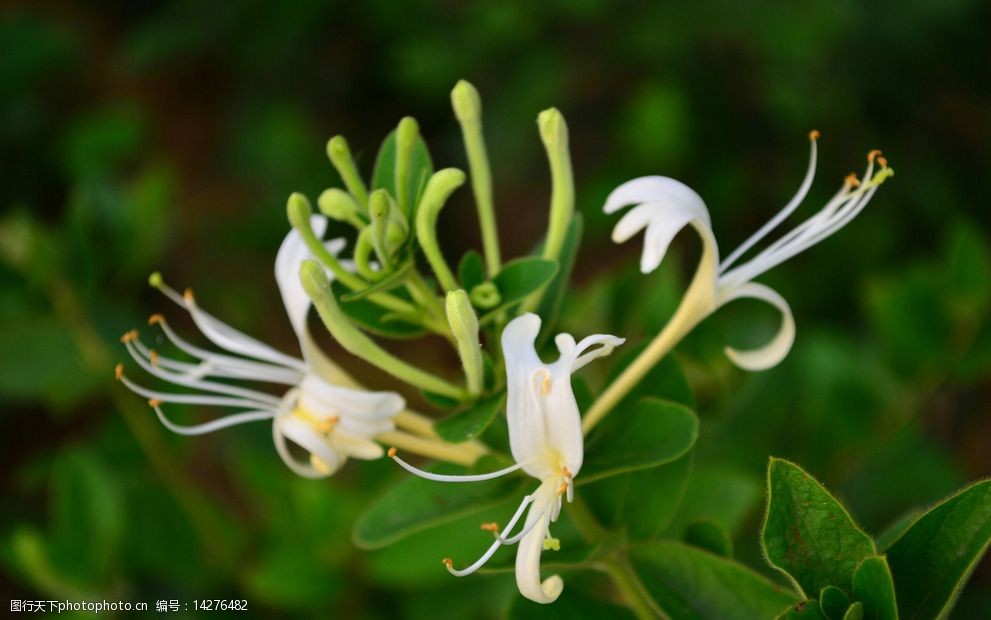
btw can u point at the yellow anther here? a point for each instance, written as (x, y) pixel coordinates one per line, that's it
(118, 371)
(448, 563)
(851, 180)
(491, 527)
(566, 473)
(130, 336)
(882, 161)
(814, 135)
(187, 296)
(155, 402)
(153, 357)
(156, 318)
(873, 154)
(561, 490)
(545, 385)
(552, 544)
(392, 452)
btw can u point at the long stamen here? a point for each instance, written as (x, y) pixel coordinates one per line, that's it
(209, 386)
(214, 425)
(499, 542)
(788, 209)
(189, 399)
(393, 454)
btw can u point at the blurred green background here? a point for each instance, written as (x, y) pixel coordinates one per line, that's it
(167, 135)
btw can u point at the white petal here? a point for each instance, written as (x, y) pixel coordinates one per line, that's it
(652, 189)
(357, 447)
(318, 395)
(527, 435)
(531, 546)
(664, 221)
(291, 255)
(563, 421)
(303, 435)
(777, 349)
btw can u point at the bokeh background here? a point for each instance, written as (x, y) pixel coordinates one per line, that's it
(167, 135)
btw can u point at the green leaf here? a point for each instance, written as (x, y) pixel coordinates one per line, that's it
(518, 278)
(420, 168)
(894, 531)
(694, 584)
(374, 318)
(471, 270)
(665, 380)
(653, 433)
(856, 612)
(471, 422)
(873, 586)
(389, 282)
(833, 602)
(572, 604)
(710, 536)
(416, 504)
(804, 610)
(933, 559)
(641, 502)
(550, 303)
(807, 534)
(721, 494)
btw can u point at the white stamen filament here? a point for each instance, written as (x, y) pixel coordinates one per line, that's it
(499, 542)
(214, 425)
(192, 399)
(453, 478)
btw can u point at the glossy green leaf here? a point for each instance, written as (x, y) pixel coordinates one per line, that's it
(804, 610)
(416, 504)
(420, 169)
(690, 583)
(833, 602)
(471, 270)
(856, 612)
(873, 586)
(373, 318)
(721, 494)
(470, 422)
(807, 534)
(894, 531)
(710, 536)
(933, 559)
(652, 433)
(518, 278)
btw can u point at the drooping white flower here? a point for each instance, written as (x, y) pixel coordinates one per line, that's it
(546, 440)
(328, 421)
(664, 206)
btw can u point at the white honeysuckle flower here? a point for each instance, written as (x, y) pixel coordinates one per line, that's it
(330, 422)
(664, 206)
(545, 436)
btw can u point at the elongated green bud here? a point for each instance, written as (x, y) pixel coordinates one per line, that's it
(464, 325)
(468, 109)
(340, 156)
(317, 287)
(554, 133)
(406, 135)
(299, 211)
(339, 205)
(378, 209)
(441, 185)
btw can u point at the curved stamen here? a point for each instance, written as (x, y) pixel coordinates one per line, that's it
(215, 425)
(197, 384)
(189, 399)
(499, 542)
(451, 478)
(788, 209)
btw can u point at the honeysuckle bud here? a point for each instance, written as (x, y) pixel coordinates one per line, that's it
(317, 286)
(378, 209)
(485, 295)
(554, 133)
(439, 188)
(464, 326)
(339, 205)
(340, 156)
(466, 102)
(406, 134)
(300, 215)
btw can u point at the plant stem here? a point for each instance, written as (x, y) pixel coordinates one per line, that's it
(633, 591)
(684, 319)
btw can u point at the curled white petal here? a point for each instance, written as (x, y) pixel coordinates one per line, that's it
(652, 189)
(777, 349)
(530, 548)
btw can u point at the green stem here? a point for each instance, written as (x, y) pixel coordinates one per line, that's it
(468, 108)
(633, 591)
